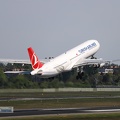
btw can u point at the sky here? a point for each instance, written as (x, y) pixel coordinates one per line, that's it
(52, 27)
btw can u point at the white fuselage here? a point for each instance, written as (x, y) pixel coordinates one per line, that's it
(67, 60)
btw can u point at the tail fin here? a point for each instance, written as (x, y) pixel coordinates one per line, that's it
(36, 64)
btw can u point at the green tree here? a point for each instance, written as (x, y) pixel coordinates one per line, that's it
(21, 81)
(54, 83)
(44, 84)
(3, 79)
(107, 78)
(69, 84)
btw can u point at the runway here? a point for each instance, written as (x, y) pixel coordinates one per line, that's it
(59, 111)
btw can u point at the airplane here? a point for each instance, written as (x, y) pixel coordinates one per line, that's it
(76, 57)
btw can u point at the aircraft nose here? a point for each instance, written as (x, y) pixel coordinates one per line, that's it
(98, 44)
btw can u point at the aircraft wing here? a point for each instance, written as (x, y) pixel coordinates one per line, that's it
(84, 62)
(12, 61)
(17, 72)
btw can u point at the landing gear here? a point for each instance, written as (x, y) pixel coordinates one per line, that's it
(92, 57)
(51, 78)
(80, 73)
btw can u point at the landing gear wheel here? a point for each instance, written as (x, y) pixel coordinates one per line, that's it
(80, 75)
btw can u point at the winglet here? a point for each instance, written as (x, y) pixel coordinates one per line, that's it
(36, 64)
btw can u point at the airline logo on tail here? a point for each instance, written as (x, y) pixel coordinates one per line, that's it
(36, 64)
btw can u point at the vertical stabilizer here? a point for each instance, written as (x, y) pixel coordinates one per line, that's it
(36, 64)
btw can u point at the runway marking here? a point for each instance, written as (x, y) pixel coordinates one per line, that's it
(107, 110)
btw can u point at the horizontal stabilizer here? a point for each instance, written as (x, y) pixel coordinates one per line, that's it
(17, 72)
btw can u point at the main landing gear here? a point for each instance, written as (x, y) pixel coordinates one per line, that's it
(80, 73)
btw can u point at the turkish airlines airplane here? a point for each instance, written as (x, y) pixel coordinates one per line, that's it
(74, 58)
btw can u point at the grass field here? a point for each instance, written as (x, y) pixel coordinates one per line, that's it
(60, 103)
(63, 103)
(56, 94)
(101, 116)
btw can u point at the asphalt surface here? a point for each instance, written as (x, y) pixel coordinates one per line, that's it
(28, 112)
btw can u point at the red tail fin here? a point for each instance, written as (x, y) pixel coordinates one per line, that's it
(36, 64)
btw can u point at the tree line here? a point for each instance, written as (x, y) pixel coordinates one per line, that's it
(91, 78)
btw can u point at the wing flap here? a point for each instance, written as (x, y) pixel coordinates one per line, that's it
(90, 62)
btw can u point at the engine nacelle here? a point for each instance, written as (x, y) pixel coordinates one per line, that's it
(98, 65)
(102, 64)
